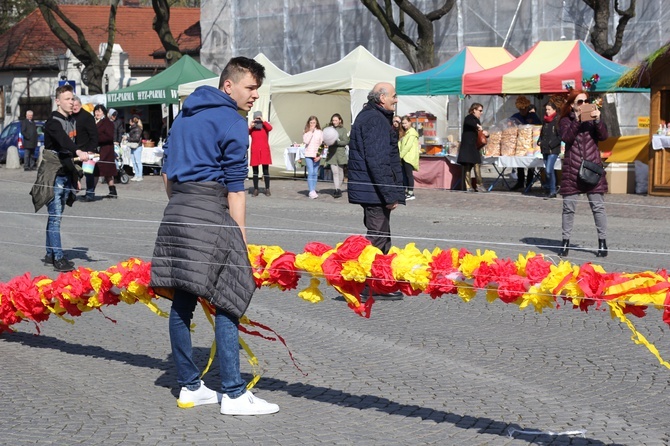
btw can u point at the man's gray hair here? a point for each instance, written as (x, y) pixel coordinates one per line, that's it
(376, 96)
(76, 99)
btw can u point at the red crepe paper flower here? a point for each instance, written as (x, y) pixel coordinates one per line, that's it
(332, 270)
(499, 270)
(8, 315)
(317, 248)
(537, 268)
(26, 298)
(352, 247)
(635, 310)
(512, 288)
(283, 272)
(382, 271)
(440, 268)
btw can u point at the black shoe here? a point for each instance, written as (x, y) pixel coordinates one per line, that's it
(337, 194)
(63, 265)
(49, 260)
(85, 199)
(267, 192)
(517, 186)
(254, 193)
(563, 252)
(550, 196)
(396, 295)
(602, 248)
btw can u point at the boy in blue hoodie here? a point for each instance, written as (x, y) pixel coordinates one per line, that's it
(201, 249)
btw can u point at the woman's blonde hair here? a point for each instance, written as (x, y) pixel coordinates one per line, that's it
(318, 126)
(138, 121)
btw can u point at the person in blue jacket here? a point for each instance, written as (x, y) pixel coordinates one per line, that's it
(200, 250)
(375, 172)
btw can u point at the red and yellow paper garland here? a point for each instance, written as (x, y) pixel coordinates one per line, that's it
(531, 280)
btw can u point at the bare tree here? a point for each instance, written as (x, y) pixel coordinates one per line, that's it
(420, 52)
(601, 44)
(94, 67)
(600, 32)
(161, 25)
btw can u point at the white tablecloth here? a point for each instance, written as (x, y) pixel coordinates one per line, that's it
(524, 162)
(150, 155)
(291, 155)
(659, 142)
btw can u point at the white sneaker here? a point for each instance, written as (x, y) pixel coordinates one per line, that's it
(247, 404)
(138, 179)
(133, 179)
(313, 194)
(192, 398)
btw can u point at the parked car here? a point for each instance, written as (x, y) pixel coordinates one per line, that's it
(11, 136)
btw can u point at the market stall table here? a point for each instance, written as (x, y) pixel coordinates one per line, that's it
(437, 172)
(501, 163)
(291, 155)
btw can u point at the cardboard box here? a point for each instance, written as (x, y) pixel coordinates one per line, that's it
(620, 178)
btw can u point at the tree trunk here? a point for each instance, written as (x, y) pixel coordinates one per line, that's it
(162, 27)
(94, 67)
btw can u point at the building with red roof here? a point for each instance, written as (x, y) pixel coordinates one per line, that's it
(29, 50)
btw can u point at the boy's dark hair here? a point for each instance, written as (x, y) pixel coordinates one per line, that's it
(238, 67)
(63, 88)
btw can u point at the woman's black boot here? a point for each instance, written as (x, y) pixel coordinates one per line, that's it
(112, 192)
(602, 248)
(563, 252)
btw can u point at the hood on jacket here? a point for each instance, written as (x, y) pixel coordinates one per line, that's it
(205, 98)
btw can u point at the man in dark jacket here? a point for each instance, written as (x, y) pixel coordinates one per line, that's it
(375, 172)
(59, 138)
(201, 248)
(87, 141)
(29, 133)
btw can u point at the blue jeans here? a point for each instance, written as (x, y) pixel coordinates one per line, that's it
(227, 346)
(136, 156)
(549, 163)
(312, 172)
(62, 187)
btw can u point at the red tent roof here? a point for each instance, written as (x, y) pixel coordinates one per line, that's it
(30, 44)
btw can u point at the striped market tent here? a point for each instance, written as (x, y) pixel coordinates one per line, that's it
(447, 79)
(549, 67)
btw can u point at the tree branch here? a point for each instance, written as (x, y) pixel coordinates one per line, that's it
(161, 25)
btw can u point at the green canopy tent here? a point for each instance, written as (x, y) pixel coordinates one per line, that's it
(161, 88)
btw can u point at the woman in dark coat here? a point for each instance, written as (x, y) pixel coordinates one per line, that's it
(468, 153)
(581, 136)
(106, 166)
(550, 144)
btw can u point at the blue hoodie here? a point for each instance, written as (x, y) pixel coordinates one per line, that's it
(208, 141)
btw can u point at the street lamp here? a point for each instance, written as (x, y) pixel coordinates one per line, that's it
(62, 65)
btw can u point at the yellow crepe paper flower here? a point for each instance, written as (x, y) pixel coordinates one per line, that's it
(310, 263)
(538, 299)
(312, 293)
(470, 262)
(367, 257)
(522, 261)
(491, 294)
(638, 282)
(352, 270)
(465, 291)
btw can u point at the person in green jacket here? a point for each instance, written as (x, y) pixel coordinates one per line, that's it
(409, 155)
(337, 153)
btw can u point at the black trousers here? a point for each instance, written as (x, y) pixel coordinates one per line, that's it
(377, 220)
(266, 175)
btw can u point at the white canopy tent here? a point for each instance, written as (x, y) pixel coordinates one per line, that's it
(342, 88)
(279, 140)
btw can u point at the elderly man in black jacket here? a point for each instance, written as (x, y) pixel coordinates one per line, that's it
(375, 172)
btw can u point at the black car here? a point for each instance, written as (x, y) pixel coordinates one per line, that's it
(11, 136)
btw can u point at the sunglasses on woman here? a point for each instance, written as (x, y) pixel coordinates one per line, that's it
(581, 101)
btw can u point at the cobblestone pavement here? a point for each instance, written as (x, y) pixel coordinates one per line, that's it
(419, 371)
